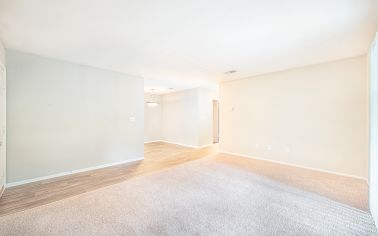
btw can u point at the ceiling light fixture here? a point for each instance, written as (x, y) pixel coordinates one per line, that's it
(152, 99)
(152, 104)
(230, 72)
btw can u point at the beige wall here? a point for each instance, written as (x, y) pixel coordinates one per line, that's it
(63, 117)
(2, 118)
(313, 116)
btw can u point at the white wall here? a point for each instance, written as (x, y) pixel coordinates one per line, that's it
(180, 117)
(63, 116)
(315, 116)
(187, 116)
(373, 160)
(152, 120)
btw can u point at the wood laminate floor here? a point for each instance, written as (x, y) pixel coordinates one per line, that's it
(160, 155)
(157, 156)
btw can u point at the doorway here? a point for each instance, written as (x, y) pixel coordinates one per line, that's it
(215, 121)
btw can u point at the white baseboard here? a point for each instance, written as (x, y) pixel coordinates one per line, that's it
(71, 172)
(154, 141)
(293, 165)
(2, 189)
(185, 145)
(207, 145)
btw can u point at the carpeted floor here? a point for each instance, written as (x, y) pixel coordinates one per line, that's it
(198, 198)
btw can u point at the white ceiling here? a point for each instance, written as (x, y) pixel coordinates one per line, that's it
(189, 43)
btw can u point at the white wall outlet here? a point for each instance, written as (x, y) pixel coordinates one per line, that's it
(269, 147)
(131, 119)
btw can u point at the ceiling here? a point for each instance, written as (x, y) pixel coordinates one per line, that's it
(184, 44)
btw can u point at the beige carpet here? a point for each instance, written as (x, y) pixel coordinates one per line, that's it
(198, 198)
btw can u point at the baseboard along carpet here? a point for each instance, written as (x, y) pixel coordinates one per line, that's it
(198, 198)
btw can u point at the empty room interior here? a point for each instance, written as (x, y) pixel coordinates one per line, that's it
(173, 117)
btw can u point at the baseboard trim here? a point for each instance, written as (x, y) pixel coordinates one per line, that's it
(2, 191)
(186, 145)
(154, 141)
(207, 145)
(13, 184)
(293, 165)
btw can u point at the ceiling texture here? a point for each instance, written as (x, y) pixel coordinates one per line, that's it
(189, 43)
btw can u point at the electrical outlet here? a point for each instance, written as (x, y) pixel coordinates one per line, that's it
(132, 119)
(269, 147)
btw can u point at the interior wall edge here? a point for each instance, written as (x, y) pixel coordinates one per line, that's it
(2, 53)
(2, 119)
(373, 128)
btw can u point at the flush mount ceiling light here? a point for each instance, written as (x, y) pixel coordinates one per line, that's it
(152, 100)
(152, 104)
(230, 72)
